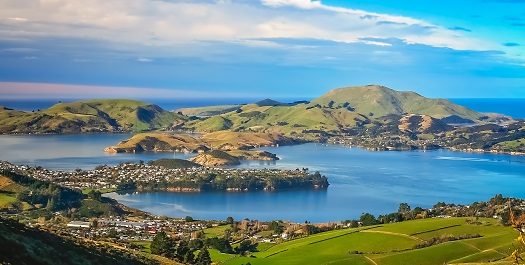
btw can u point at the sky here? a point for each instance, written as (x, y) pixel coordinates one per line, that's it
(297, 49)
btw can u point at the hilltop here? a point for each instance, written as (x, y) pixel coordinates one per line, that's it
(102, 115)
(376, 100)
(335, 112)
(217, 148)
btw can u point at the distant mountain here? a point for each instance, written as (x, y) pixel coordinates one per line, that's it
(375, 100)
(269, 102)
(208, 111)
(338, 111)
(104, 115)
(222, 109)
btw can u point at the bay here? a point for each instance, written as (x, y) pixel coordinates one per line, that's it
(69, 152)
(361, 181)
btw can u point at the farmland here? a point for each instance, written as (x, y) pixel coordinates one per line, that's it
(393, 244)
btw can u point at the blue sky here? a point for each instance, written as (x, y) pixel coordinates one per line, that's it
(259, 48)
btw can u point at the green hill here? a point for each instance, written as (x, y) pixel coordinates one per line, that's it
(375, 100)
(299, 121)
(23, 245)
(208, 111)
(429, 241)
(334, 113)
(104, 115)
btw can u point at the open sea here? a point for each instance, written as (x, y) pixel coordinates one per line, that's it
(361, 181)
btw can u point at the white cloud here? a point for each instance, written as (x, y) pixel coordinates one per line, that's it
(144, 60)
(378, 43)
(175, 28)
(21, 19)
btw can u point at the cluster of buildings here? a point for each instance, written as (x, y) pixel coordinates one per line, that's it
(124, 229)
(109, 177)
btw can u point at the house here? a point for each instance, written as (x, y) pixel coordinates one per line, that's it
(79, 224)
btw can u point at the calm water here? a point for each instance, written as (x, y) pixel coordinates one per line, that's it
(361, 181)
(68, 152)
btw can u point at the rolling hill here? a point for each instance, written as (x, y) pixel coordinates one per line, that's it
(376, 100)
(105, 115)
(337, 111)
(456, 241)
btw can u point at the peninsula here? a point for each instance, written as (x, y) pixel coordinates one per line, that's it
(152, 177)
(373, 117)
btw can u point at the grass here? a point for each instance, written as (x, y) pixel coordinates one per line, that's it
(217, 256)
(145, 246)
(217, 231)
(512, 145)
(392, 244)
(106, 190)
(90, 115)
(6, 200)
(382, 100)
(209, 111)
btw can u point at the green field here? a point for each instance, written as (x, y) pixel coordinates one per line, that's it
(6, 200)
(390, 244)
(145, 246)
(108, 190)
(217, 231)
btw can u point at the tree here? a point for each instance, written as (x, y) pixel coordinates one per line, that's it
(368, 219)
(182, 250)
(311, 229)
(189, 257)
(162, 245)
(95, 195)
(404, 211)
(196, 244)
(246, 246)
(203, 258)
(188, 219)
(418, 210)
(403, 208)
(229, 220)
(220, 244)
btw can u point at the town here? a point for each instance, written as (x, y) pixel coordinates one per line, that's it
(141, 176)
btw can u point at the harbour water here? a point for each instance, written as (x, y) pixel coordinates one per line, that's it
(361, 181)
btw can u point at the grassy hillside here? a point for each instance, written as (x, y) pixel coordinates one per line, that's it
(394, 244)
(298, 121)
(223, 140)
(336, 112)
(104, 115)
(156, 141)
(379, 101)
(209, 111)
(23, 245)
